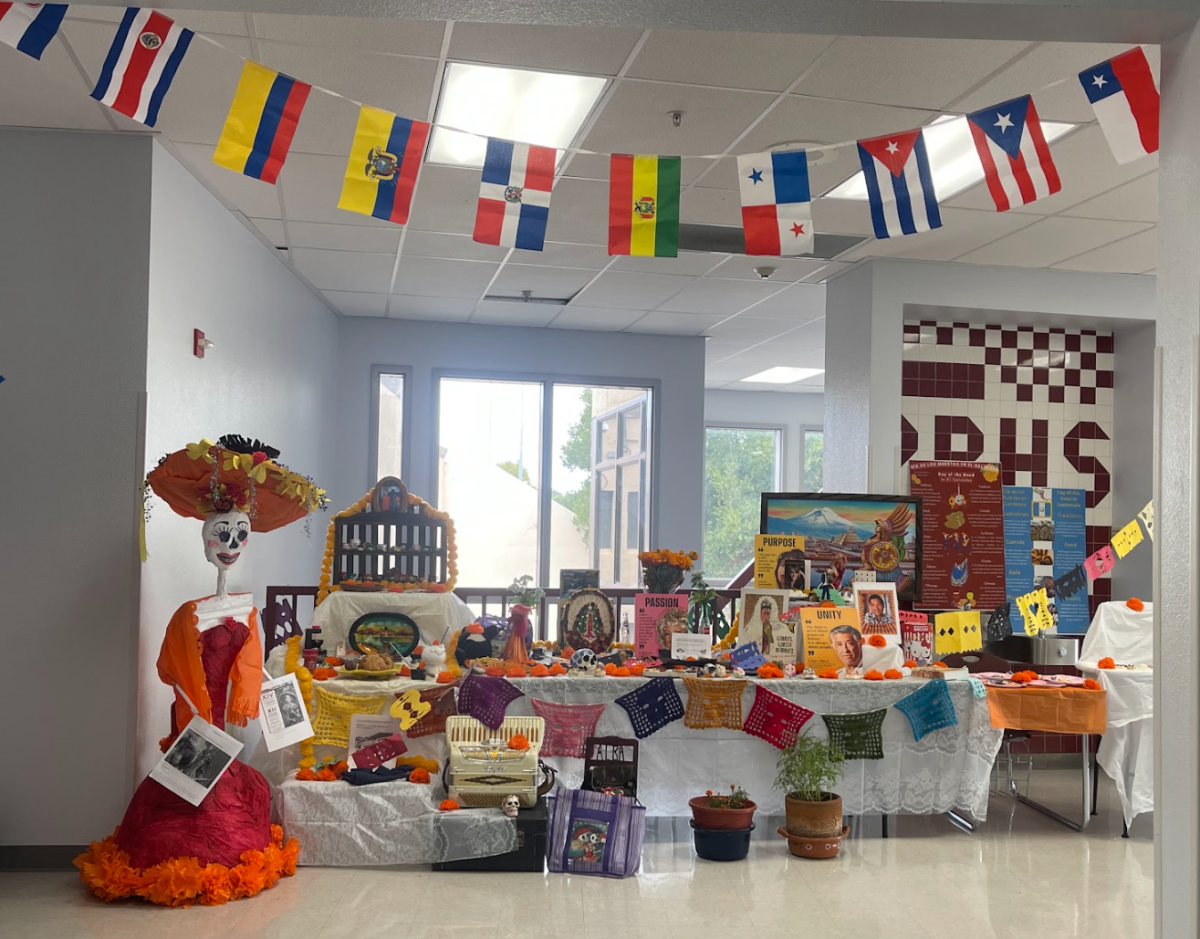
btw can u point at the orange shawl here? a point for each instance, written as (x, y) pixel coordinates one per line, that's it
(179, 664)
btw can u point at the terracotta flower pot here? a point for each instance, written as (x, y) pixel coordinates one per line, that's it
(815, 848)
(721, 819)
(814, 819)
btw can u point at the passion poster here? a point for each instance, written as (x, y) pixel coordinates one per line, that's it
(962, 533)
(1045, 539)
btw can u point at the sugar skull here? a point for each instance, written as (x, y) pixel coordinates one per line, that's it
(583, 659)
(722, 671)
(789, 670)
(512, 805)
(739, 672)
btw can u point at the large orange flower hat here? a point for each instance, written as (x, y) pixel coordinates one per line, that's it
(234, 473)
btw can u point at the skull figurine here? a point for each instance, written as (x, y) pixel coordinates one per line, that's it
(512, 805)
(710, 670)
(225, 535)
(739, 672)
(583, 659)
(722, 671)
(789, 670)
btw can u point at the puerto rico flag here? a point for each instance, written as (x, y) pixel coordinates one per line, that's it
(141, 64)
(1016, 159)
(514, 196)
(899, 184)
(1125, 99)
(776, 210)
(29, 27)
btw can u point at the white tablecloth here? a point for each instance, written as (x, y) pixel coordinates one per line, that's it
(1127, 750)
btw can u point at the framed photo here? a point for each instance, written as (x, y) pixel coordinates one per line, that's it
(845, 533)
(389, 495)
(877, 610)
(762, 621)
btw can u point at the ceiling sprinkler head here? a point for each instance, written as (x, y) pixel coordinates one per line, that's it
(764, 273)
(526, 296)
(676, 117)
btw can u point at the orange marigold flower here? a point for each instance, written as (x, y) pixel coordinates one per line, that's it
(340, 767)
(1091, 684)
(1106, 662)
(610, 668)
(827, 673)
(941, 664)
(1024, 677)
(326, 775)
(910, 663)
(321, 674)
(893, 673)
(556, 669)
(445, 678)
(518, 742)
(1135, 604)
(622, 672)
(448, 805)
(876, 642)
(637, 669)
(475, 629)
(539, 671)
(874, 675)
(568, 652)
(515, 671)
(332, 661)
(419, 775)
(496, 671)
(306, 775)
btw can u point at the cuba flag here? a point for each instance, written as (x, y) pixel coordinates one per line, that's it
(776, 210)
(514, 195)
(1125, 99)
(899, 184)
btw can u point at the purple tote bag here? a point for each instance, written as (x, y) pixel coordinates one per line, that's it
(595, 833)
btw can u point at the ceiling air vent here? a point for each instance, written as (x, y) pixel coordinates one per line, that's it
(729, 239)
(528, 297)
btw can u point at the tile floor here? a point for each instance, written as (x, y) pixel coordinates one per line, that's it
(1020, 875)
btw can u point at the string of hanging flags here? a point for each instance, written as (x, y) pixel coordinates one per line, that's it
(386, 153)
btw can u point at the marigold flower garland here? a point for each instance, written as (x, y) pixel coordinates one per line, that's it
(291, 664)
(876, 642)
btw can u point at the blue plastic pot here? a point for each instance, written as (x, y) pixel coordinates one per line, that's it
(713, 845)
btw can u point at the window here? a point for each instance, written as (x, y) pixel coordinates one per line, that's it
(814, 460)
(389, 424)
(740, 463)
(502, 441)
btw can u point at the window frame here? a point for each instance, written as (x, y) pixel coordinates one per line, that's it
(805, 430)
(406, 411)
(545, 493)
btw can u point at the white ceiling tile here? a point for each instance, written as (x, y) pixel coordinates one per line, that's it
(343, 237)
(810, 335)
(49, 93)
(714, 385)
(436, 277)
(1048, 63)
(688, 263)
(593, 50)
(500, 313)
(786, 271)
(446, 200)
(720, 297)
(427, 244)
(596, 166)
(744, 330)
(311, 187)
(674, 324)
(766, 61)
(1085, 166)
(578, 211)
(1130, 255)
(353, 303)
(1134, 202)
(842, 217)
(357, 34)
(1051, 240)
(402, 85)
(200, 21)
(962, 230)
(632, 290)
(800, 303)
(700, 206)
(769, 355)
(252, 197)
(344, 270)
(831, 269)
(557, 254)
(582, 317)
(715, 351)
(552, 282)
(636, 119)
(728, 373)
(918, 73)
(443, 309)
(271, 228)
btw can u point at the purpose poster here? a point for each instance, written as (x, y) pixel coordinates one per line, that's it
(779, 562)
(962, 533)
(1044, 539)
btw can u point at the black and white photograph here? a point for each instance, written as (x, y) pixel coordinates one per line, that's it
(281, 713)
(196, 760)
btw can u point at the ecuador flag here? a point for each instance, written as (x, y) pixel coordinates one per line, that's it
(643, 205)
(384, 160)
(261, 121)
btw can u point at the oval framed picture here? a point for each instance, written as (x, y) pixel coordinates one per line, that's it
(389, 495)
(394, 633)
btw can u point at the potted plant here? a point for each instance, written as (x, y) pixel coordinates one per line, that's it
(704, 616)
(723, 811)
(807, 773)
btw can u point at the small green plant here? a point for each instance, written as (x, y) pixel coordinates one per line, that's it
(524, 592)
(701, 592)
(809, 769)
(737, 798)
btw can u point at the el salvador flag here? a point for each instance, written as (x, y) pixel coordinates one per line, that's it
(899, 184)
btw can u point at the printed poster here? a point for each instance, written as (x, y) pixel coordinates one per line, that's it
(761, 620)
(916, 634)
(779, 562)
(656, 616)
(962, 534)
(1045, 538)
(831, 637)
(281, 715)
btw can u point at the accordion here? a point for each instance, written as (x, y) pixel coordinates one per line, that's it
(482, 770)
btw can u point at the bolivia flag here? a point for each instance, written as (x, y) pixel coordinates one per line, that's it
(643, 205)
(261, 121)
(384, 160)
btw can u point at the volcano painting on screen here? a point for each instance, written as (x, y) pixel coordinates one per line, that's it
(847, 533)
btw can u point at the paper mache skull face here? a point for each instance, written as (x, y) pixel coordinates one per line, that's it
(583, 658)
(722, 671)
(739, 672)
(512, 805)
(789, 670)
(225, 535)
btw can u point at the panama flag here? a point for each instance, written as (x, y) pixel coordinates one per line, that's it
(1125, 99)
(1013, 150)
(141, 64)
(899, 184)
(776, 212)
(514, 196)
(29, 27)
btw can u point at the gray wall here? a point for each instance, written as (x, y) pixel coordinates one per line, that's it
(789, 410)
(270, 375)
(1133, 451)
(74, 250)
(677, 363)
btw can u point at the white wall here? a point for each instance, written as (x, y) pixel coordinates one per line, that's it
(74, 241)
(791, 411)
(1133, 451)
(271, 375)
(675, 363)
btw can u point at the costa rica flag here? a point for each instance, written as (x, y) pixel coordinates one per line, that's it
(514, 195)
(1016, 159)
(141, 64)
(776, 209)
(29, 27)
(1125, 99)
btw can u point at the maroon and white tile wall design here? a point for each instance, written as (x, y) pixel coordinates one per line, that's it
(1039, 401)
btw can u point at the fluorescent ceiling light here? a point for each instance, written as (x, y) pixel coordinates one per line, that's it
(785, 375)
(953, 160)
(544, 108)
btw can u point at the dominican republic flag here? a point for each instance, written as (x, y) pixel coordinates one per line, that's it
(1013, 150)
(899, 184)
(1125, 99)
(29, 27)
(776, 210)
(514, 196)
(141, 64)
